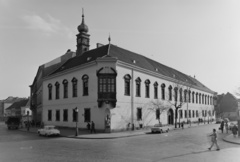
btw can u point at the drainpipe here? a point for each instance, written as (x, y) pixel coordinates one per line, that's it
(132, 101)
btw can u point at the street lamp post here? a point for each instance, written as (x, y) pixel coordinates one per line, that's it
(28, 125)
(76, 111)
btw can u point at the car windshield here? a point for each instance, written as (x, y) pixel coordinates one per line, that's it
(157, 125)
(50, 127)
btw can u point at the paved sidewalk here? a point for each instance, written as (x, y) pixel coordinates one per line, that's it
(85, 134)
(230, 138)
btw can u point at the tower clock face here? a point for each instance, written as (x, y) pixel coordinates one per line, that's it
(84, 41)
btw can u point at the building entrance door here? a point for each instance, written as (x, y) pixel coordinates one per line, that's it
(107, 121)
(170, 117)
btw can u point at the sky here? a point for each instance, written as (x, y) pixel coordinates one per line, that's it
(200, 38)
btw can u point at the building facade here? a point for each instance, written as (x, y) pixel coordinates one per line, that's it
(116, 89)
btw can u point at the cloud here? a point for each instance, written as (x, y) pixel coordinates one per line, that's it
(49, 25)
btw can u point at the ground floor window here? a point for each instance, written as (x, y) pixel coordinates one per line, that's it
(139, 114)
(49, 115)
(189, 113)
(185, 113)
(74, 115)
(180, 114)
(193, 113)
(196, 113)
(87, 115)
(57, 115)
(65, 115)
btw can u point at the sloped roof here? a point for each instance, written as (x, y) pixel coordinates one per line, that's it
(128, 57)
(18, 104)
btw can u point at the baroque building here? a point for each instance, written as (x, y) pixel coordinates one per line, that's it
(116, 88)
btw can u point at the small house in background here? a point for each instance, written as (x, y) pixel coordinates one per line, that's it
(5, 103)
(18, 107)
(26, 112)
(227, 106)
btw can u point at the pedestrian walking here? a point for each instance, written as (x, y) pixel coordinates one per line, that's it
(222, 126)
(226, 127)
(182, 124)
(234, 130)
(93, 127)
(88, 126)
(214, 140)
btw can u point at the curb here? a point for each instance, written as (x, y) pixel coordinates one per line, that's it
(104, 137)
(224, 139)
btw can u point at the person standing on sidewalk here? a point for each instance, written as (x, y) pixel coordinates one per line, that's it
(234, 130)
(214, 140)
(226, 127)
(93, 127)
(222, 126)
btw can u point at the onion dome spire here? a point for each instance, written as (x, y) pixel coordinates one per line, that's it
(83, 27)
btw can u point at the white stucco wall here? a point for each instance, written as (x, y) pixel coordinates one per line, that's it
(121, 115)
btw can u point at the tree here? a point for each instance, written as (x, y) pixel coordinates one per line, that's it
(176, 99)
(238, 92)
(158, 107)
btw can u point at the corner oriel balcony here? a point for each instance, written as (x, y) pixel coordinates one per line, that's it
(108, 98)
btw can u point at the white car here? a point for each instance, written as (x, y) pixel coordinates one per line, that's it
(158, 128)
(48, 130)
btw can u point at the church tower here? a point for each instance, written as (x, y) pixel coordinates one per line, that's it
(82, 38)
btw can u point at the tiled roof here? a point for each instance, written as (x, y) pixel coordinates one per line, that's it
(18, 104)
(128, 57)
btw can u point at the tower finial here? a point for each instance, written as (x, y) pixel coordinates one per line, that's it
(82, 12)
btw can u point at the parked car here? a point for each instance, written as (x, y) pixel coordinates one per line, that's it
(158, 128)
(48, 130)
(13, 122)
(219, 120)
(231, 124)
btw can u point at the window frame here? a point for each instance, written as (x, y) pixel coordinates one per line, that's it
(74, 87)
(65, 88)
(127, 85)
(85, 82)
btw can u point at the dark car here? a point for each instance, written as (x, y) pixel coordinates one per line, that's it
(13, 122)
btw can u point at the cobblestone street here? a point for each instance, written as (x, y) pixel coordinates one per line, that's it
(179, 145)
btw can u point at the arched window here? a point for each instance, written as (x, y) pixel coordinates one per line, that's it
(180, 93)
(208, 99)
(155, 90)
(57, 88)
(200, 98)
(50, 91)
(197, 97)
(127, 79)
(74, 87)
(85, 85)
(147, 88)
(189, 96)
(205, 99)
(65, 88)
(193, 95)
(138, 87)
(163, 91)
(170, 93)
(185, 95)
(175, 94)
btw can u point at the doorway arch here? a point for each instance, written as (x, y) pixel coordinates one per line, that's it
(170, 117)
